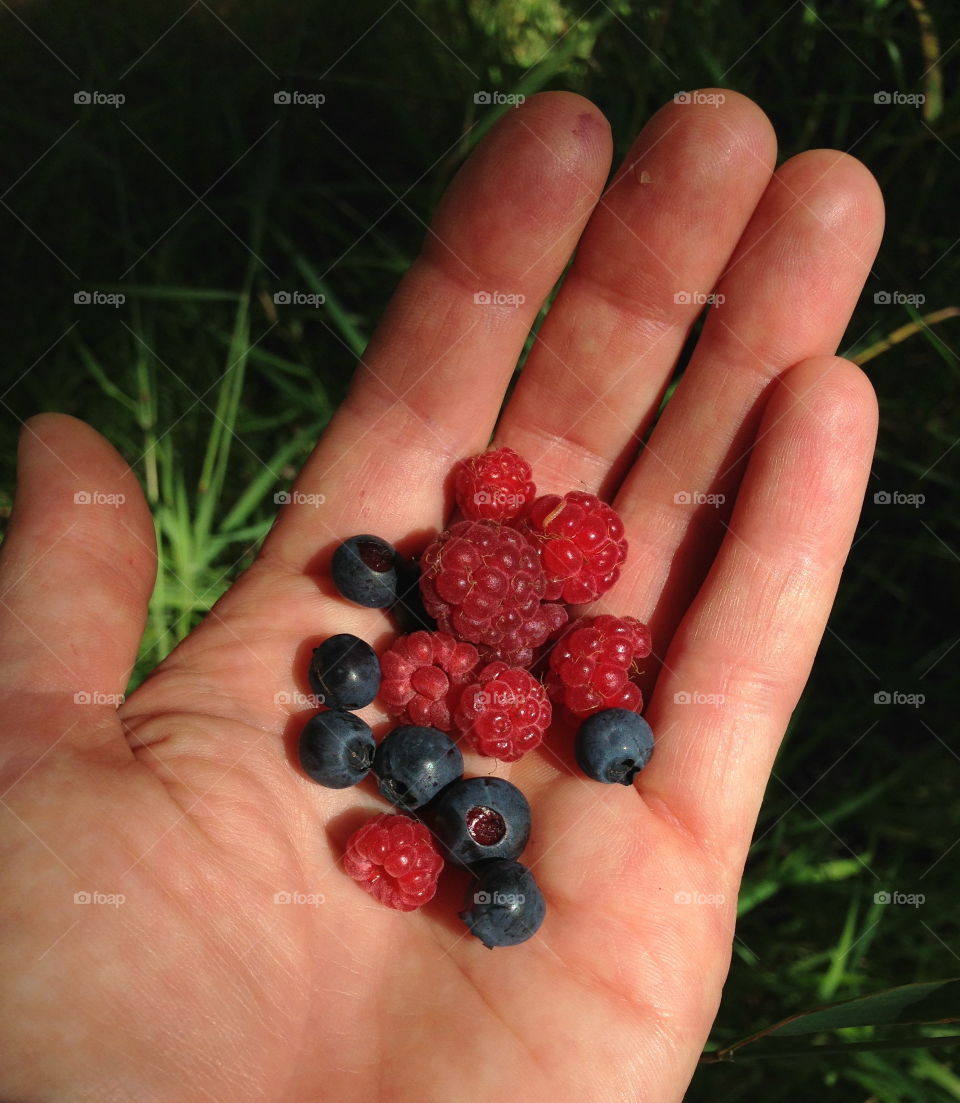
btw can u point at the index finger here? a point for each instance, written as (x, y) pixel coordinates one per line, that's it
(429, 386)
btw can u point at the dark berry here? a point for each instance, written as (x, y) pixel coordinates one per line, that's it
(336, 748)
(364, 571)
(480, 818)
(504, 905)
(614, 745)
(409, 609)
(345, 672)
(413, 764)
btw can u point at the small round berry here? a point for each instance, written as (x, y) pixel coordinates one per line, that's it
(494, 486)
(413, 764)
(581, 545)
(504, 713)
(483, 582)
(364, 571)
(479, 818)
(336, 748)
(395, 860)
(613, 745)
(345, 672)
(423, 676)
(593, 662)
(504, 905)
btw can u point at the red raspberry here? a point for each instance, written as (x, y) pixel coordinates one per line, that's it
(495, 486)
(504, 713)
(394, 858)
(483, 582)
(581, 545)
(591, 664)
(422, 677)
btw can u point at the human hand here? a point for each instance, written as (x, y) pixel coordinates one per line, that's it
(739, 513)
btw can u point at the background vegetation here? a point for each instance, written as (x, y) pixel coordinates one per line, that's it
(199, 198)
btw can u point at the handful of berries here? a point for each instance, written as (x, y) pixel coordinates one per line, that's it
(492, 654)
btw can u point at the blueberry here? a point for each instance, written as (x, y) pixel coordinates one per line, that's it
(336, 748)
(480, 818)
(504, 905)
(414, 764)
(613, 745)
(364, 571)
(345, 672)
(409, 609)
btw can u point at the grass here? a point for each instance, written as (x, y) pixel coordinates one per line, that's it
(215, 396)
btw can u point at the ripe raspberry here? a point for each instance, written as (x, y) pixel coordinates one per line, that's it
(504, 713)
(495, 486)
(591, 664)
(581, 545)
(394, 858)
(483, 582)
(423, 675)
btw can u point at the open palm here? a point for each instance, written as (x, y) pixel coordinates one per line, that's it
(183, 815)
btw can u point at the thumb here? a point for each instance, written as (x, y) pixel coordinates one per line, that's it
(76, 572)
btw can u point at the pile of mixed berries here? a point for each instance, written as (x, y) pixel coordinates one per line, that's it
(492, 651)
